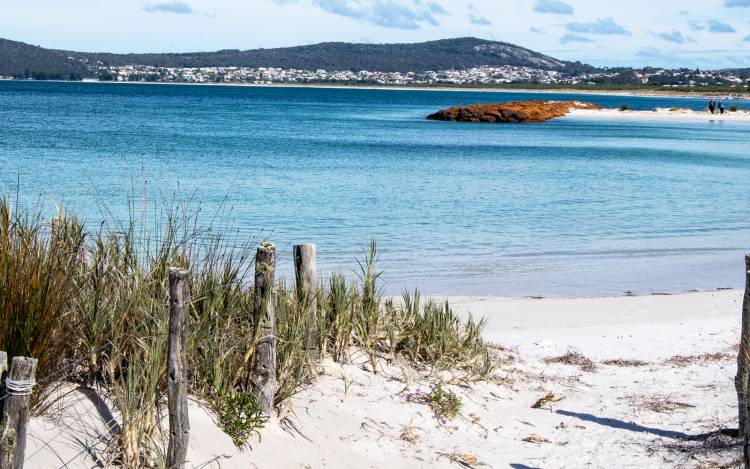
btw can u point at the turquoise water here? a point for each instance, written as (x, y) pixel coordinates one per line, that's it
(565, 208)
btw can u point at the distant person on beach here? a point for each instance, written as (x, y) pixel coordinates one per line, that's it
(721, 106)
(712, 106)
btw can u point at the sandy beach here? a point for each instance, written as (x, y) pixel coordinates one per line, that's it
(643, 381)
(661, 114)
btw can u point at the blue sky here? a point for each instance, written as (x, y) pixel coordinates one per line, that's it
(693, 33)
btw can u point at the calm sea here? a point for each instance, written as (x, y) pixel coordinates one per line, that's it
(572, 207)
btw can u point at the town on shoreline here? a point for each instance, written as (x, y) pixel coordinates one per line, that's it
(727, 82)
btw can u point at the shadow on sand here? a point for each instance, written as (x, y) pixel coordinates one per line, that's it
(634, 427)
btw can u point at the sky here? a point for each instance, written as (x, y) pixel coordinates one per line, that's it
(672, 33)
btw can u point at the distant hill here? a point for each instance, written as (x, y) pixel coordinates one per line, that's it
(26, 61)
(19, 59)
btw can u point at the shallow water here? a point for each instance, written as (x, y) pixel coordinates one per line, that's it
(570, 207)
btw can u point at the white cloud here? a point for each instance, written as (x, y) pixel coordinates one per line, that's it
(672, 36)
(557, 7)
(607, 26)
(181, 8)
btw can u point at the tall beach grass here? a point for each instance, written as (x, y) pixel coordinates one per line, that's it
(92, 305)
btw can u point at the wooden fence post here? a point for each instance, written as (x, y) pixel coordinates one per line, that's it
(179, 424)
(740, 381)
(743, 374)
(264, 310)
(18, 387)
(307, 291)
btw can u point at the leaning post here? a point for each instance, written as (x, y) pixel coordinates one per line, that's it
(740, 381)
(743, 374)
(307, 291)
(264, 311)
(179, 424)
(18, 387)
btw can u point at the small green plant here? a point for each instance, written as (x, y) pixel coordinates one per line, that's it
(445, 404)
(733, 108)
(240, 417)
(623, 107)
(367, 320)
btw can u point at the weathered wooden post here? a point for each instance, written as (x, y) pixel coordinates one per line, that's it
(18, 387)
(743, 374)
(307, 291)
(179, 424)
(740, 381)
(264, 367)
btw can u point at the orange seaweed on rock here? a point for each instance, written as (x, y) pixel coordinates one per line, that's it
(512, 112)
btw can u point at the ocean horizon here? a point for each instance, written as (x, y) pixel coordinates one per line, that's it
(570, 207)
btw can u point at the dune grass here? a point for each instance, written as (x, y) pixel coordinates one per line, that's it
(92, 306)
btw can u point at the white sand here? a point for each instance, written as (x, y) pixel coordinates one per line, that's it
(352, 418)
(660, 114)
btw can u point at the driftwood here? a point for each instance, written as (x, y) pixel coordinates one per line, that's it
(264, 366)
(307, 291)
(179, 424)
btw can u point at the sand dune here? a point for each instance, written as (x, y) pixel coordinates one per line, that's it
(642, 382)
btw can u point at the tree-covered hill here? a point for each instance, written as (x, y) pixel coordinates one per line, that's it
(22, 60)
(19, 59)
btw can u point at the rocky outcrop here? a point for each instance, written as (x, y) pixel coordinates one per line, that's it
(513, 112)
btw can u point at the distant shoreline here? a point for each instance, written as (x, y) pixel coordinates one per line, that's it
(636, 93)
(661, 114)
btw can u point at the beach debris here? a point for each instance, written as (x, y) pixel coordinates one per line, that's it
(687, 360)
(625, 362)
(408, 434)
(659, 403)
(719, 448)
(537, 439)
(548, 399)
(465, 460)
(575, 358)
